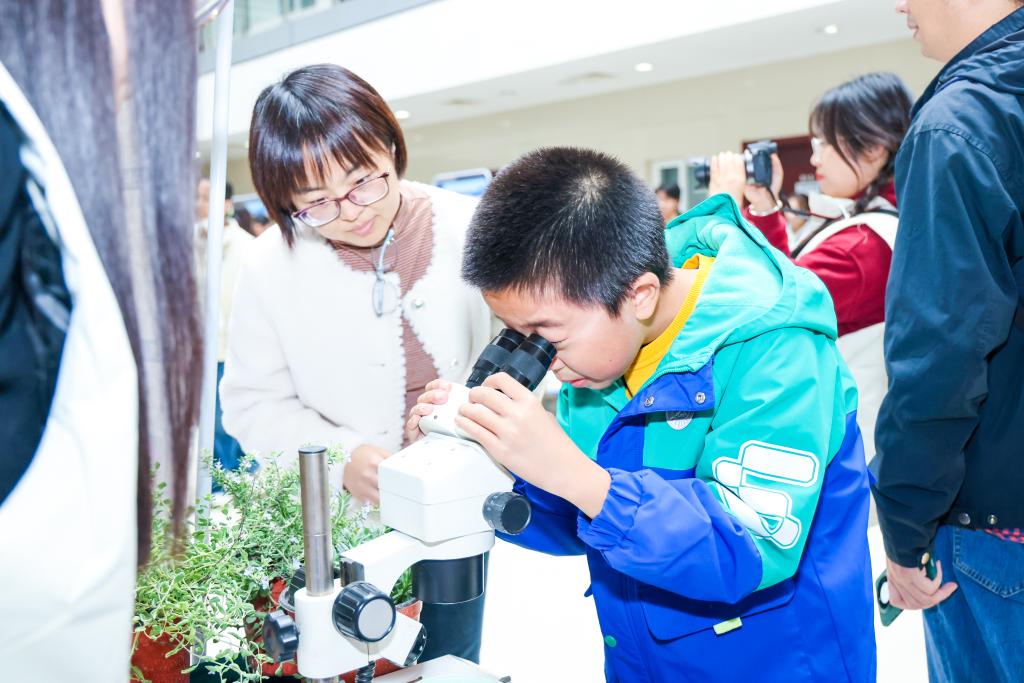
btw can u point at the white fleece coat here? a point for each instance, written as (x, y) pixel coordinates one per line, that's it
(310, 362)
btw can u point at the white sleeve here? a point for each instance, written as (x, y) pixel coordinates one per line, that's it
(258, 397)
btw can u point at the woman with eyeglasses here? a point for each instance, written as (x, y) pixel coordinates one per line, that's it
(354, 300)
(857, 128)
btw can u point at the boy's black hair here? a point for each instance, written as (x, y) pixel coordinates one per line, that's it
(573, 219)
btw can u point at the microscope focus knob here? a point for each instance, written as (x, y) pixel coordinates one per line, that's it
(507, 512)
(280, 636)
(363, 612)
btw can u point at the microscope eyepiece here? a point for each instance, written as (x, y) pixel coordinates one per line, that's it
(494, 356)
(530, 362)
(526, 359)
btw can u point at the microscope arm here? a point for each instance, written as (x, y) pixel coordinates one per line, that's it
(382, 560)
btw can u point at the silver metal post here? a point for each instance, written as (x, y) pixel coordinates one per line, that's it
(316, 525)
(214, 241)
(316, 520)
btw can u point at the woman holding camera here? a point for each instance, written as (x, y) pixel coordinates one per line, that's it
(857, 128)
(353, 301)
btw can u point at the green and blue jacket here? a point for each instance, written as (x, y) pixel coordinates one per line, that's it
(733, 542)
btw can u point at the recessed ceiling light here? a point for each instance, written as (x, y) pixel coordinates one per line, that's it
(830, 30)
(643, 67)
(402, 114)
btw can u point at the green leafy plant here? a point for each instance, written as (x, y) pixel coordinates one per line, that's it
(269, 513)
(244, 539)
(202, 593)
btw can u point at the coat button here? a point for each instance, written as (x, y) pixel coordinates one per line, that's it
(649, 401)
(993, 520)
(454, 362)
(610, 641)
(700, 398)
(418, 303)
(964, 518)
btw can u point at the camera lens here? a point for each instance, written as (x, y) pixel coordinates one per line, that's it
(530, 362)
(494, 356)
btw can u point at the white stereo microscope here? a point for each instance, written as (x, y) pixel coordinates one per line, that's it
(444, 497)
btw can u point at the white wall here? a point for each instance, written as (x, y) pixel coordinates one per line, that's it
(239, 176)
(668, 121)
(663, 122)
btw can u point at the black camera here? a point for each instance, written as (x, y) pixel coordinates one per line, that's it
(758, 160)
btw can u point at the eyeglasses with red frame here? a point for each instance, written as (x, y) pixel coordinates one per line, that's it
(364, 194)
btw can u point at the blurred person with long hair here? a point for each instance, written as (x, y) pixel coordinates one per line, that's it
(857, 128)
(99, 331)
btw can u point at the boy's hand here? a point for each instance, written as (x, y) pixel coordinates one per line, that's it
(512, 425)
(434, 394)
(910, 587)
(361, 473)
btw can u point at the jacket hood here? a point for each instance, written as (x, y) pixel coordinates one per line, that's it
(752, 288)
(993, 59)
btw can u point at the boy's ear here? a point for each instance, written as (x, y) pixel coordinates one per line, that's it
(644, 295)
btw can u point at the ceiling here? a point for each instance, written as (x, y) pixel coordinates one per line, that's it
(455, 59)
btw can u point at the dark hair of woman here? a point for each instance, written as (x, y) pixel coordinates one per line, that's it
(316, 113)
(133, 174)
(860, 115)
(671, 191)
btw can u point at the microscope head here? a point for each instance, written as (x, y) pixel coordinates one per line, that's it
(525, 359)
(443, 486)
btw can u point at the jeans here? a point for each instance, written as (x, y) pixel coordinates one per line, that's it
(977, 634)
(226, 450)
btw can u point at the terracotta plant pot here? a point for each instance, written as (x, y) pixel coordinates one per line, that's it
(410, 609)
(150, 656)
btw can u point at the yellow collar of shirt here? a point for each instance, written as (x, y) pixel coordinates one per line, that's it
(649, 358)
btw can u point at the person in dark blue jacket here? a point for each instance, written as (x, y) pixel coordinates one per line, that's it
(950, 463)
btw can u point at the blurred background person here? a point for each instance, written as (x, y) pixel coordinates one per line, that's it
(253, 222)
(856, 129)
(353, 301)
(235, 241)
(668, 201)
(100, 342)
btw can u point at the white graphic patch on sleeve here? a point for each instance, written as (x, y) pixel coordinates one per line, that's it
(749, 488)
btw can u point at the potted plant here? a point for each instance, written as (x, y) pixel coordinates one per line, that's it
(196, 595)
(268, 512)
(230, 573)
